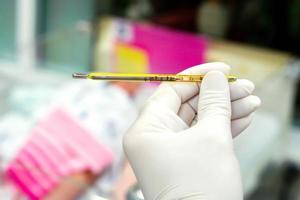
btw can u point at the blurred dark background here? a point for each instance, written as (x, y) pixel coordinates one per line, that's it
(267, 23)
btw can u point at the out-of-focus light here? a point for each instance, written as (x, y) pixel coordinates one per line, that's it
(139, 194)
(95, 197)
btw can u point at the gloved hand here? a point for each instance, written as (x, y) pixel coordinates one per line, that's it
(178, 154)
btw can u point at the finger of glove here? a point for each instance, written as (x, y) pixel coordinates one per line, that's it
(239, 125)
(214, 100)
(239, 108)
(188, 110)
(243, 107)
(172, 95)
(238, 90)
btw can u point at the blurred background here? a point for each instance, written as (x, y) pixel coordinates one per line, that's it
(61, 138)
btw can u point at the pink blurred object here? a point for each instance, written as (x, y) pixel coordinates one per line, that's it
(168, 50)
(58, 147)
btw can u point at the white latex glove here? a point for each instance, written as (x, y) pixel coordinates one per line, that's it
(176, 157)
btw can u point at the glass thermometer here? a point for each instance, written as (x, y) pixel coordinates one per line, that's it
(145, 77)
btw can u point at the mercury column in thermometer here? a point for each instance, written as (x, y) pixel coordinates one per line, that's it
(145, 77)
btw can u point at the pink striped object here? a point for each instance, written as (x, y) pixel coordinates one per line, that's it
(58, 147)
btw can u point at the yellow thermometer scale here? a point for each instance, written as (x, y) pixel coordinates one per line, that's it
(145, 77)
